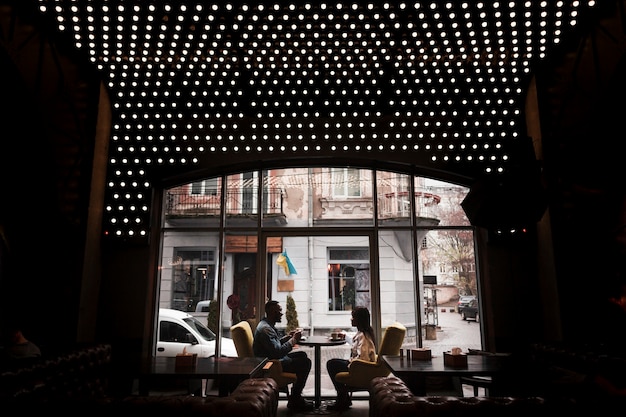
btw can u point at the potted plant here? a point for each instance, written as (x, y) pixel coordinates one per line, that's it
(291, 314)
(212, 316)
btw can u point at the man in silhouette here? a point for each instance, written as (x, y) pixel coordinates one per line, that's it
(268, 343)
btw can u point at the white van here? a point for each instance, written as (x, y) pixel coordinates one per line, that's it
(180, 331)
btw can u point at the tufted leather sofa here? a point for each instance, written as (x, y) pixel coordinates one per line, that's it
(81, 373)
(390, 397)
(252, 397)
(78, 383)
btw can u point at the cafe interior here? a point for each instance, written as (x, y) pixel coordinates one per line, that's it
(106, 104)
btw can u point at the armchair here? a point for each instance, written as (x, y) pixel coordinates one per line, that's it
(361, 372)
(242, 336)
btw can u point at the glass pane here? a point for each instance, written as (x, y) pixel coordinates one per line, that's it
(398, 298)
(240, 278)
(287, 195)
(188, 284)
(242, 199)
(343, 197)
(325, 197)
(326, 275)
(193, 277)
(288, 274)
(439, 201)
(188, 274)
(447, 272)
(348, 278)
(394, 202)
(318, 280)
(196, 204)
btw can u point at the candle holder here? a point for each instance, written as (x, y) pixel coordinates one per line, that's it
(421, 354)
(188, 360)
(455, 361)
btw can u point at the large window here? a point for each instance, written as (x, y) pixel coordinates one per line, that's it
(350, 241)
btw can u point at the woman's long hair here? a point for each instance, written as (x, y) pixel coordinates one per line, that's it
(362, 318)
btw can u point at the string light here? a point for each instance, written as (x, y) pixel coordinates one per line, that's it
(441, 83)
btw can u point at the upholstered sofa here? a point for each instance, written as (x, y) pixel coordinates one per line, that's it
(78, 383)
(390, 397)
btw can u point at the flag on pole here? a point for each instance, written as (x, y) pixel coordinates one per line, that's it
(284, 261)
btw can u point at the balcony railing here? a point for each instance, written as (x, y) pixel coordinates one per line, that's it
(397, 204)
(179, 202)
(242, 202)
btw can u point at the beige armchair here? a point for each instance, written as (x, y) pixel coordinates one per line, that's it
(242, 336)
(362, 372)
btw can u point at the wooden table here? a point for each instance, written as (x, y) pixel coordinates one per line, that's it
(317, 342)
(229, 371)
(415, 372)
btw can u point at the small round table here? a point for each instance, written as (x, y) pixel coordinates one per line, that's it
(317, 342)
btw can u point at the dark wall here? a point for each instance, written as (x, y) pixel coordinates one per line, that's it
(126, 306)
(46, 150)
(41, 259)
(581, 93)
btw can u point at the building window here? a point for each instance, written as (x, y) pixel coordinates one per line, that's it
(346, 182)
(346, 269)
(206, 187)
(193, 278)
(424, 243)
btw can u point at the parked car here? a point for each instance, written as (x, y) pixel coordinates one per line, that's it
(203, 306)
(470, 311)
(180, 331)
(464, 300)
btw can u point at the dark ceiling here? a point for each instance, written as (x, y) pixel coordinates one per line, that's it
(438, 88)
